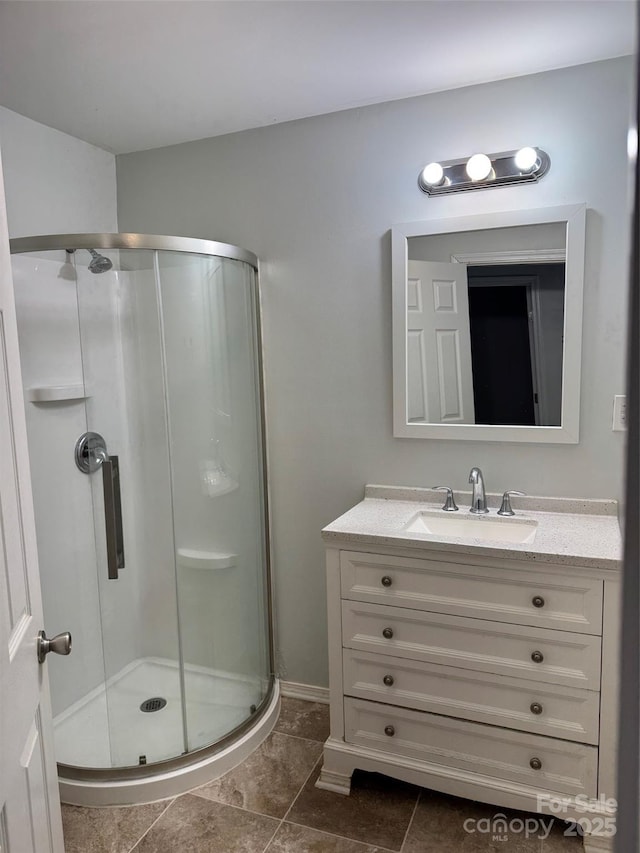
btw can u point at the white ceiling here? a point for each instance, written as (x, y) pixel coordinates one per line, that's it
(128, 75)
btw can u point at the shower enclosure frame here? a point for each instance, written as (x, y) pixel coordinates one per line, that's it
(168, 777)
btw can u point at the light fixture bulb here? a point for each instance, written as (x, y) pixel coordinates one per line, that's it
(479, 167)
(526, 159)
(433, 174)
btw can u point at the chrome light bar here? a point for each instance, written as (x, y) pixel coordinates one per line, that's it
(481, 171)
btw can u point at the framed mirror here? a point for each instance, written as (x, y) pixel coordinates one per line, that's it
(487, 326)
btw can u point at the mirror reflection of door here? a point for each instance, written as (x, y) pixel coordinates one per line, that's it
(485, 343)
(516, 316)
(439, 387)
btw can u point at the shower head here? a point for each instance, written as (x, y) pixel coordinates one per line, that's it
(98, 262)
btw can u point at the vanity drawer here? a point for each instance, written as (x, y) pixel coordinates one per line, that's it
(538, 654)
(545, 599)
(563, 767)
(531, 706)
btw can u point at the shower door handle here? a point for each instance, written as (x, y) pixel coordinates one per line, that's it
(112, 515)
(90, 454)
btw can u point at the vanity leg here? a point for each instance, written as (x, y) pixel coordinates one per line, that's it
(330, 780)
(336, 772)
(597, 843)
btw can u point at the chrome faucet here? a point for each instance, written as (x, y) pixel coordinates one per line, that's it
(478, 498)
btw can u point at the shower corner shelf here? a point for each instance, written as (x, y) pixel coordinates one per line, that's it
(56, 393)
(188, 558)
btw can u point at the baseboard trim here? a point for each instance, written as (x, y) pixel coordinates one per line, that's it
(309, 692)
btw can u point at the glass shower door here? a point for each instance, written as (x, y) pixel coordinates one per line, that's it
(208, 316)
(124, 455)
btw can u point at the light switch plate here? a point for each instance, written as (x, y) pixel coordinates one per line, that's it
(619, 413)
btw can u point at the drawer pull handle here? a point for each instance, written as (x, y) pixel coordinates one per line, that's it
(387, 633)
(537, 601)
(537, 657)
(387, 581)
(388, 680)
(389, 731)
(536, 708)
(535, 764)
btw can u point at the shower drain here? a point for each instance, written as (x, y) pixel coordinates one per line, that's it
(154, 704)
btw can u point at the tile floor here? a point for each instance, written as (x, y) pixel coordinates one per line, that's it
(269, 805)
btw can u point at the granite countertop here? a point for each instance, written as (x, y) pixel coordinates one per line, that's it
(569, 531)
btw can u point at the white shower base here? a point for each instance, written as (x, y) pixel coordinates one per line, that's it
(106, 728)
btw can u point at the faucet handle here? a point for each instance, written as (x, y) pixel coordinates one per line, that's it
(505, 507)
(449, 504)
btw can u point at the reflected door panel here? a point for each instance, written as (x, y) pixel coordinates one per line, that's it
(439, 384)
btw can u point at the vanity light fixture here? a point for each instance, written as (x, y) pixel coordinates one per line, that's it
(480, 171)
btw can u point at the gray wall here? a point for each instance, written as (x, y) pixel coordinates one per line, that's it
(315, 200)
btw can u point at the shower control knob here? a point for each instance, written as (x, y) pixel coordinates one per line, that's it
(60, 644)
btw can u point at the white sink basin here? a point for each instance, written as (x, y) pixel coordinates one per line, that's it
(472, 527)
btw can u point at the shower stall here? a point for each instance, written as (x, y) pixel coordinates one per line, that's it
(142, 371)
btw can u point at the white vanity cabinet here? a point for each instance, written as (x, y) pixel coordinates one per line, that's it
(488, 677)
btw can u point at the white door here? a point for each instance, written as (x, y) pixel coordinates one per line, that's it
(30, 820)
(439, 374)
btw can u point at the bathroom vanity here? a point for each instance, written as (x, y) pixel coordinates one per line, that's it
(478, 655)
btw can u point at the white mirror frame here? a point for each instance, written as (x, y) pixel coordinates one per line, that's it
(568, 432)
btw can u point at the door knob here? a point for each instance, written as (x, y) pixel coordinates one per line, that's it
(60, 644)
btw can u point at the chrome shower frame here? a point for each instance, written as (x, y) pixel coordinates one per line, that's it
(127, 776)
